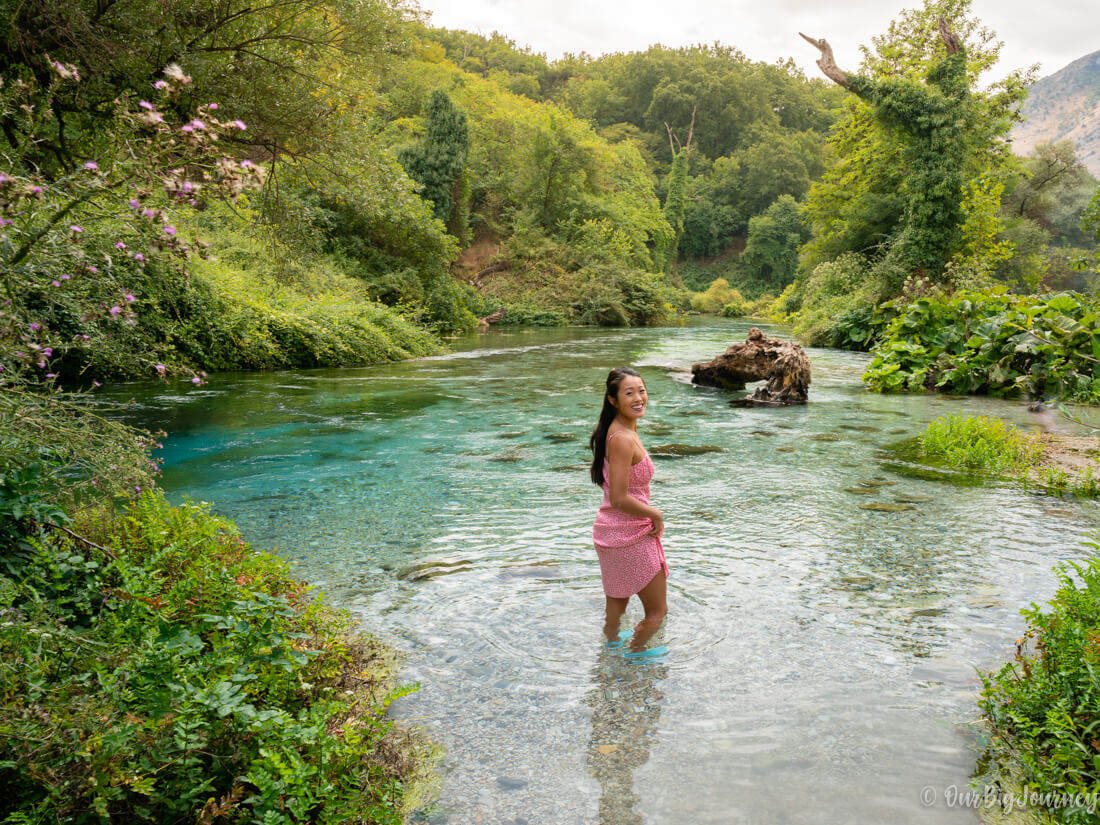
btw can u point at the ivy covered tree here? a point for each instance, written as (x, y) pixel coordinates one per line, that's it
(933, 116)
(438, 162)
(916, 132)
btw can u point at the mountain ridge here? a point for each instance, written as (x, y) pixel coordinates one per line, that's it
(1065, 106)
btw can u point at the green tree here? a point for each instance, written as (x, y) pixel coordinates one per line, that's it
(438, 162)
(896, 181)
(771, 250)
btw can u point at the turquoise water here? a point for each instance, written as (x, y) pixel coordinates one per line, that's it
(822, 655)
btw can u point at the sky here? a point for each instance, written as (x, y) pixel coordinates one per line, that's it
(1053, 35)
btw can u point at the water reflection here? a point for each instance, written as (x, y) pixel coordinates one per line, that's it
(626, 707)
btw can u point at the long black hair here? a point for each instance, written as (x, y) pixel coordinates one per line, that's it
(598, 442)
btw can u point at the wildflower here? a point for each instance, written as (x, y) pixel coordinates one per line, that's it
(57, 283)
(96, 384)
(47, 351)
(129, 298)
(196, 380)
(240, 124)
(246, 164)
(145, 104)
(160, 85)
(139, 257)
(5, 221)
(91, 166)
(173, 72)
(120, 245)
(187, 128)
(86, 337)
(115, 310)
(93, 269)
(197, 125)
(134, 203)
(51, 375)
(211, 106)
(161, 368)
(152, 118)
(74, 228)
(33, 327)
(66, 276)
(35, 190)
(169, 230)
(147, 213)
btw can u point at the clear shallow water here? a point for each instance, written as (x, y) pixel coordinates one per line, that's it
(822, 655)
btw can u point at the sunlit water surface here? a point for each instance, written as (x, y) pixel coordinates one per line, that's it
(822, 655)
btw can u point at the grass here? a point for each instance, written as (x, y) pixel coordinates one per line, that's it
(981, 444)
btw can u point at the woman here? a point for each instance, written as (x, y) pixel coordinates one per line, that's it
(627, 532)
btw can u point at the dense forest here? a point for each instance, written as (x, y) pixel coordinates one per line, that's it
(218, 185)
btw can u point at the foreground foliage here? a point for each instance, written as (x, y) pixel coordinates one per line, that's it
(159, 670)
(993, 342)
(1044, 707)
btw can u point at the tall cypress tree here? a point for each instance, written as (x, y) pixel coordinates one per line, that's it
(439, 160)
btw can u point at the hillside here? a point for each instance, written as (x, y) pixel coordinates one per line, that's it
(1065, 106)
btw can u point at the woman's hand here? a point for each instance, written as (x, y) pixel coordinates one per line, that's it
(658, 525)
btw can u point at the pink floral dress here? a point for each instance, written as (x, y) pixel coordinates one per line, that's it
(629, 558)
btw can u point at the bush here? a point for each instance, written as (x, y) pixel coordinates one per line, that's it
(992, 342)
(717, 296)
(159, 670)
(1044, 707)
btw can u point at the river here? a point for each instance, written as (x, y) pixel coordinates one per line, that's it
(822, 655)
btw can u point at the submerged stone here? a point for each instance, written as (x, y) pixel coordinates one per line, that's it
(884, 507)
(862, 491)
(682, 450)
(825, 437)
(560, 437)
(913, 499)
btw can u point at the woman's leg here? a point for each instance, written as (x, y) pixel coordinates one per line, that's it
(615, 610)
(653, 597)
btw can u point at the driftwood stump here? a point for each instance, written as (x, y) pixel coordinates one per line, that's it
(782, 364)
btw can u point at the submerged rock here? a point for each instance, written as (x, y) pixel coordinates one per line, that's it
(782, 364)
(884, 507)
(682, 450)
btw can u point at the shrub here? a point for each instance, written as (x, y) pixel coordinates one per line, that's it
(159, 670)
(1044, 707)
(717, 296)
(992, 342)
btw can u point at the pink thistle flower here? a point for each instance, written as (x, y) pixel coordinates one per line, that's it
(115, 310)
(128, 298)
(197, 124)
(51, 375)
(134, 204)
(246, 164)
(48, 352)
(160, 368)
(240, 124)
(56, 283)
(33, 327)
(147, 213)
(139, 257)
(120, 245)
(66, 276)
(74, 228)
(91, 166)
(160, 85)
(196, 380)
(145, 104)
(93, 269)
(187, 128)
(169, 230)
(212, 106)
(36, 190)
(96, 384)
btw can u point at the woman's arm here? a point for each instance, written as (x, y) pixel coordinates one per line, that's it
(619, 453)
